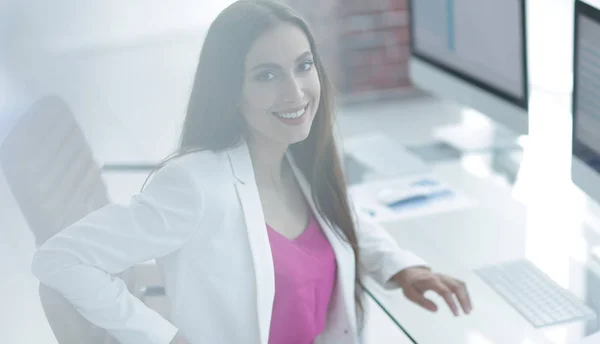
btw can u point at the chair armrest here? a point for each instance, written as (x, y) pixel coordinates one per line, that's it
(151, 291)
(129, 167)
(148, 280)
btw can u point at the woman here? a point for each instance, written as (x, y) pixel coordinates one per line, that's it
(250, 223)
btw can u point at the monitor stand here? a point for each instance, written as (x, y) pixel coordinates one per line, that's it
(586, 213)
(591, 228)
(478, 134)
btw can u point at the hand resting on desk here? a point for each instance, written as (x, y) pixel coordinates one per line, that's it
(416, 281)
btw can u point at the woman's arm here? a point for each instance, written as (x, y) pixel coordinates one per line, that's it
(380, 256)
(79, 261)
(393, 267)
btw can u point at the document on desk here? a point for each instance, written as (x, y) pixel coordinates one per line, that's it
(401, 198)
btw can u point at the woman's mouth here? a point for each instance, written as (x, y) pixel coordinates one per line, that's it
(292, 117)
(291, 114)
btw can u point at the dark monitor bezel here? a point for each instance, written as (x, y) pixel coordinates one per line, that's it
(579, 149)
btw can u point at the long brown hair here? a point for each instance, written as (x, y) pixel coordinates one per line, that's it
(213, 121)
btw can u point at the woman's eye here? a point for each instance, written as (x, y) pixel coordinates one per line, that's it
(265, 76)
(305, 66)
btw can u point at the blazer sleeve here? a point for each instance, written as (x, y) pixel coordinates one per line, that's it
(79, 261)
(380, 256)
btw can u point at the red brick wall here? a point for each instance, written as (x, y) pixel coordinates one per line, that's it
(365, 43)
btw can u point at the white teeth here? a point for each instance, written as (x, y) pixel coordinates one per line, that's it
(291, 115)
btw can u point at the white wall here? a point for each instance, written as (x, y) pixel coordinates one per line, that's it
(117, 63)
(134, 94)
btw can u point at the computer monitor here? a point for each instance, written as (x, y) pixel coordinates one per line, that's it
(473, 52)
(585, 168)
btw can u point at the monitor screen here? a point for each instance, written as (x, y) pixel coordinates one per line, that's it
(586, 125)
(480, 41)
(586, 86)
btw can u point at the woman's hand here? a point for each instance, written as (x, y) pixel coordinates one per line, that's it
(179, 340)
(416, 281)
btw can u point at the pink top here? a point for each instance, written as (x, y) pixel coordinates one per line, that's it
(305, 271)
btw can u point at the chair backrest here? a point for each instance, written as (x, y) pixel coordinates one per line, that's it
(51, 172)
(50, 168)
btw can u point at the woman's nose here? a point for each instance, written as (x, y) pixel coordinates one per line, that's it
(292, 90)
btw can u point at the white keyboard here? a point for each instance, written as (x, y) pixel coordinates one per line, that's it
(535, 295)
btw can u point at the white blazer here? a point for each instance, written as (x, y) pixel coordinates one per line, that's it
(200, 217)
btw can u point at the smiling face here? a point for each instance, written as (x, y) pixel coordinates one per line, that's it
(281, 89)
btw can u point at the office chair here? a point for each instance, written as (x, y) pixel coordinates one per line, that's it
(55, 180)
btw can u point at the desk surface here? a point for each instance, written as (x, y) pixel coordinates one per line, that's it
(544, 226)
(499, 228)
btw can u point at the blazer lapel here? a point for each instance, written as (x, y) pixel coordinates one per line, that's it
(257, 236)
(343, 252)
